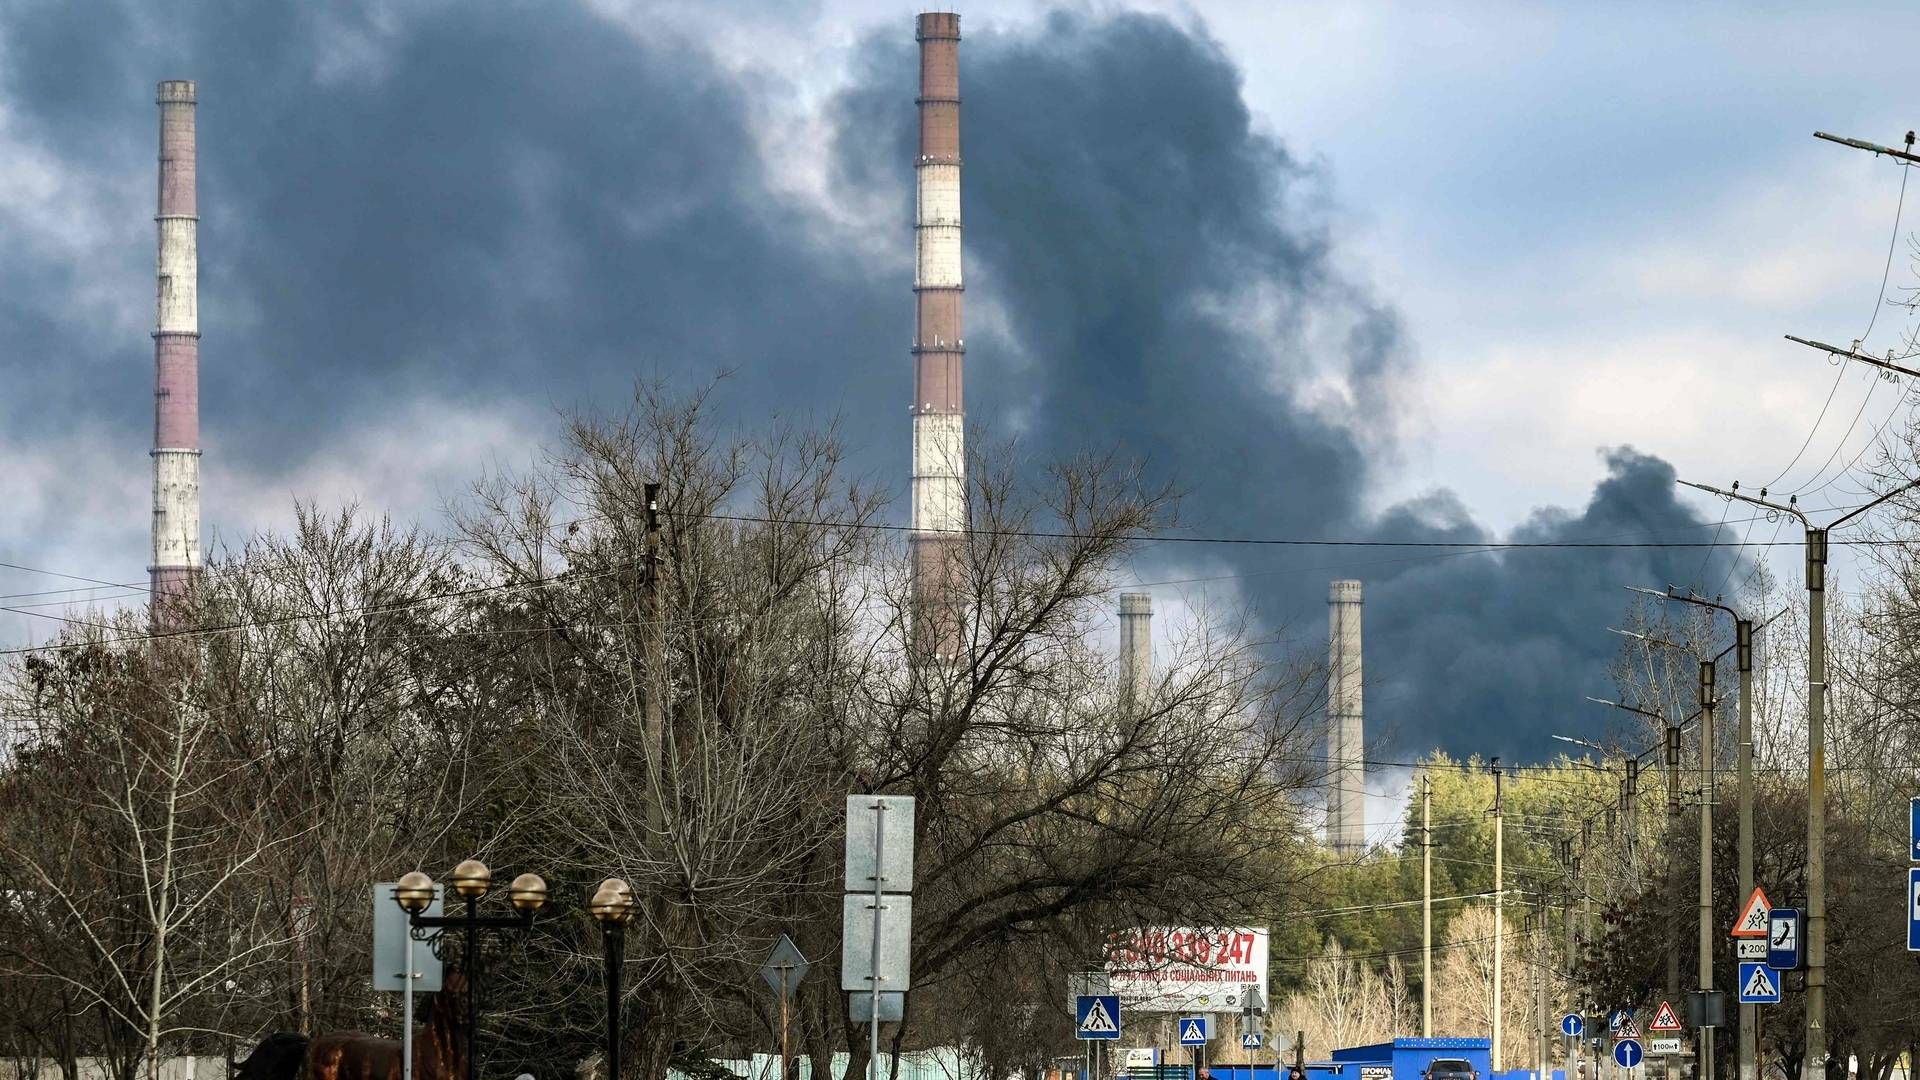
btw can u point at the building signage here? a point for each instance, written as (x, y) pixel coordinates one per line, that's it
(1187, 969)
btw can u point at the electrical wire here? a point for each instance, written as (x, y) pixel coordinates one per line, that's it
(1880, 300)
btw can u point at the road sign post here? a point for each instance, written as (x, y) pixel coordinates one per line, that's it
(396, 966)
(879, 879)
(784, 969)
(1193, 1034)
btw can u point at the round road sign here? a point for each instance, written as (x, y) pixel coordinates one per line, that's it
(1570, 1024)
(1627, 1053)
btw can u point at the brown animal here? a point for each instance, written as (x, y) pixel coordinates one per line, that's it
(439, 1048)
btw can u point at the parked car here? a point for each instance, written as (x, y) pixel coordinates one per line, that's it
(1449, 1069)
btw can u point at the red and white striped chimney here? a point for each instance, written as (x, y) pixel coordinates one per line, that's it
(176, 355)
(939, 348)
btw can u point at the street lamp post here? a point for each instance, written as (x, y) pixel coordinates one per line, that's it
(1671, 745)
(612, 906)
(1816, 539)
(472, 880)
(1747, 1049)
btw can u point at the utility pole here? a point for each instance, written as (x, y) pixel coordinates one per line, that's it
(652, 635)
(1426, 907)
(1705, 1068)
(1816, 542)
(1573, 964)
(1747, 1049)
(1673, 885)
(1499, 909)
(1541, 955)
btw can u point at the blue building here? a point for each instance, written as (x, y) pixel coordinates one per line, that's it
(1407, 1059)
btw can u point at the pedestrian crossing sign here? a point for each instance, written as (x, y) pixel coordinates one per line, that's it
(1758, 985)
(1250, 1041)
(1098, 1016)
(1193, 1031)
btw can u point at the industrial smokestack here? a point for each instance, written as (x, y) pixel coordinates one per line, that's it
(939, 444)
(176, 356)
(1136, 644)
(1346, 738)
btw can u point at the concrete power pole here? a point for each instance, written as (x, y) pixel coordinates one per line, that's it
(1426, 907)
(1747, 1048)
(1705, 1068)
(1499, 910)
(1747, 1053)
(1816, 1000)
(1542, 953)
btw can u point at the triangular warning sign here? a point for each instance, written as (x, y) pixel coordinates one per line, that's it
(1753, 918)
(1628, 1029)
(1193, 1032)
(1098, 1020)
(1760, 985)
(1664, 1019)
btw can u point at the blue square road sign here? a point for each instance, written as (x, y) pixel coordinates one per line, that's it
(1193, 1031)
(1096, 1016)
(1913, 909)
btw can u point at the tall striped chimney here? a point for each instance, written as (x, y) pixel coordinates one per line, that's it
(939, 444)
(1346, 738)
(176, 355)
(1136, 644)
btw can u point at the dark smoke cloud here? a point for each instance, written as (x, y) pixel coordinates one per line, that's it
(1167, 288)
(497, 202)
(521, 205)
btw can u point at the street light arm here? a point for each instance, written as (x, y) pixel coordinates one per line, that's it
(1629, 708)
(1853, 354)
(1862, 144)
(1789, 508)
(1645, 639)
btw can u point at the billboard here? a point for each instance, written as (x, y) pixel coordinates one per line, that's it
(1187, 969)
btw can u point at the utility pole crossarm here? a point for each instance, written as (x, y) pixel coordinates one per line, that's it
(1850, 354)
(1876, 148)
(1763, 503)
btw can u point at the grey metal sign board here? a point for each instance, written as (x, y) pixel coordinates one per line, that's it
(390, 945)
(856, 942)
(1086, 984)
(785, 966)
(893, 1008)
(895, 817)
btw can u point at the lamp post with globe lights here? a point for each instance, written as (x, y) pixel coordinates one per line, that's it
(472, 881)
(612, 907)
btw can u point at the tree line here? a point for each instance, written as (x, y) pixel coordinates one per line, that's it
(667, 654)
